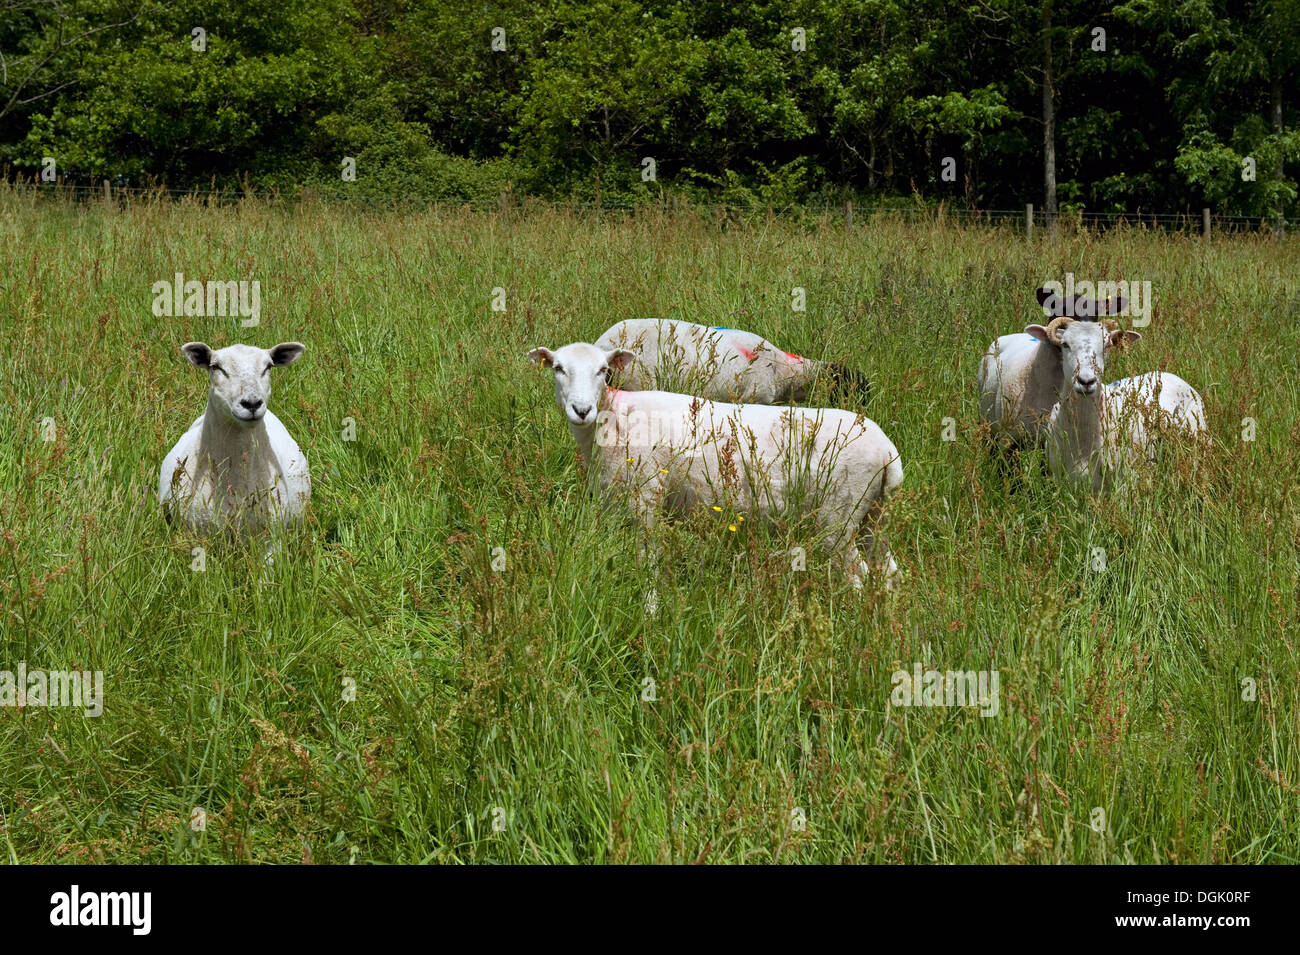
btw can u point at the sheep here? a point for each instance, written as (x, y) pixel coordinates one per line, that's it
(1095, 430)
(724, 364)
(236, 467)
(679, 451)
(1019, 379)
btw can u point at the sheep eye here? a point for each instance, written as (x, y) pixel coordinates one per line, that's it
(603, 372)
(559, 370)
(266, 370)
(218, 368)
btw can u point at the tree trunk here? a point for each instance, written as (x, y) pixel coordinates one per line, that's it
(1276, 84)
(871, 160)
(1049, 121)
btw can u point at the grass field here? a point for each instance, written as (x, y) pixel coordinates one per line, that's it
(499, 714)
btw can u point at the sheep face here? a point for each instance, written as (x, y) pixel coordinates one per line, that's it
(1082, 347)
(239, 377)
(581, 377)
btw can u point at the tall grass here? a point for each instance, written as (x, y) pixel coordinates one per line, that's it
(506, 715)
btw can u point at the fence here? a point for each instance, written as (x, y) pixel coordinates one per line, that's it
(1029, 220)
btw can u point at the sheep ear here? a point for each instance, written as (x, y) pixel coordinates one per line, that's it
(199, 354)
(542, 357)
(286, 353)
(1119, 339)
(620, 358)
(1037, 332)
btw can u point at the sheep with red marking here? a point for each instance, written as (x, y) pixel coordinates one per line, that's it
(725, 364)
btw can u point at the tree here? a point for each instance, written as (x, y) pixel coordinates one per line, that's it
(38, 43)
(1237, 64)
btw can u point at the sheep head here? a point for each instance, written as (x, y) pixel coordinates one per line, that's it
(1082, 346)
(581, 376)
(239, 376)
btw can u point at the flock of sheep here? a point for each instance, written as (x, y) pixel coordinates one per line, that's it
(726, 434)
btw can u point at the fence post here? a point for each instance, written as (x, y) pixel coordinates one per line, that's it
(848, 215)
(108, 191)
(1029, 220)
(505, 205)
(1205, 223)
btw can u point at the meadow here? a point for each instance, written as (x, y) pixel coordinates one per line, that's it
(452, 660)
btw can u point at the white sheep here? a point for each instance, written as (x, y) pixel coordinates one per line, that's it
(1020, 379)
(679, 451)
(724, 364)
(237, 466)
(1096, 430)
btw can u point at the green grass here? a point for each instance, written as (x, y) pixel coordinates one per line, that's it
(520, 691)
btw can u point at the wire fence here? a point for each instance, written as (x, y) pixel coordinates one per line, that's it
(1028, 218)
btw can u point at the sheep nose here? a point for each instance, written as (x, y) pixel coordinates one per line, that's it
(250, 404)
(582, 412)
(1086, 378)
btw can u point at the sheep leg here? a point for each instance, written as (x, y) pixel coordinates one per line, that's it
(643, 505)
(878, 560)
(854, 565)
(881, 560)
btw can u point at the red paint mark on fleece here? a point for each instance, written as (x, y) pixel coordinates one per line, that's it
(793, 357)
(749, 355)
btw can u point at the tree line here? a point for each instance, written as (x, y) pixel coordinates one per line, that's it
(1146, 105)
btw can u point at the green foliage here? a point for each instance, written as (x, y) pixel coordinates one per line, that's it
(778, 187)
(762, 100)
(1210, 165)
(394, 158)
(148, 106)
(1235, 91)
